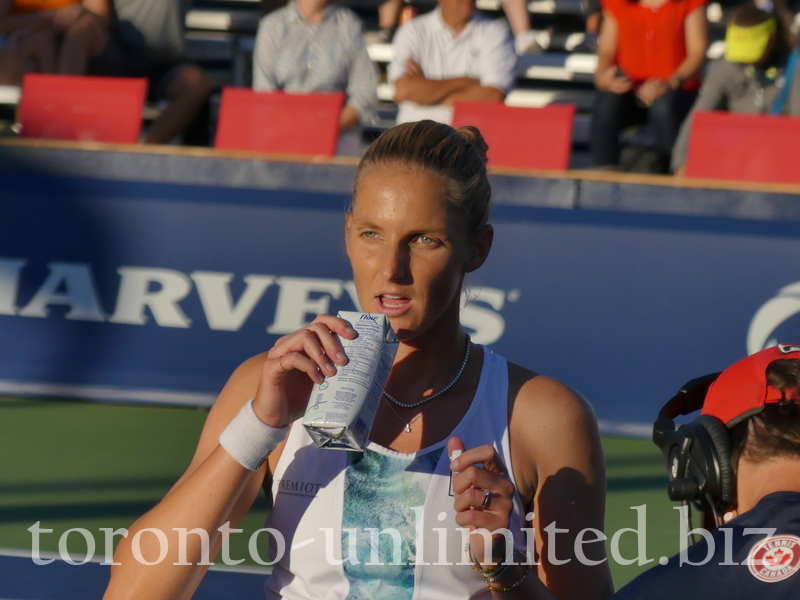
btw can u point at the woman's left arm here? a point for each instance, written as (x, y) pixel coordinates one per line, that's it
(560, 473)
(696, 34)
(558, 467)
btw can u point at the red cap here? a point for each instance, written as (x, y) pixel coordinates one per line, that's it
(742, 390)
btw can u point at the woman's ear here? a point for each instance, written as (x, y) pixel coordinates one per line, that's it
(481, 245)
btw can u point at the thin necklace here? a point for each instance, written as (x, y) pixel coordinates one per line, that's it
(440, 392)
(408, 423)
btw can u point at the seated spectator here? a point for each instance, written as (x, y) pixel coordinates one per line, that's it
(525, 39)
(147, 41)
(314, 46)
(750, 78)
(649, 54)
(452, 53)
(50, 36)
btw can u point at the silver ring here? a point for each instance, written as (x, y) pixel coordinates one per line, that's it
(486, 499)
(280, 364)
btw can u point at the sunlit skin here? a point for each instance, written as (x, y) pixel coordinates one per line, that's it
(405, 241)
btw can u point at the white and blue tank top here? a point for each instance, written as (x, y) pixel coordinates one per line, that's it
(381, 524)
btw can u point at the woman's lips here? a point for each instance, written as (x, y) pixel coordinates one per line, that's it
(391, 305)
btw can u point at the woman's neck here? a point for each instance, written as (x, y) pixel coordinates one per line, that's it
(428, 362)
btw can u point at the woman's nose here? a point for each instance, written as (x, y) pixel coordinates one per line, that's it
(394, 263)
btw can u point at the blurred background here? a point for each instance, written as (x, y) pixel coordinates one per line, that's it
(169, 172)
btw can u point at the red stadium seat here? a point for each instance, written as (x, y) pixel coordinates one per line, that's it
(527, 138)
(279, 123)
(98, 109)
(738, 147)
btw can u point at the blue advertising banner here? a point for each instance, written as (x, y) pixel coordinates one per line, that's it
(153, 289)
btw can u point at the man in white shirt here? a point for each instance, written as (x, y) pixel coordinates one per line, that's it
(450, 54)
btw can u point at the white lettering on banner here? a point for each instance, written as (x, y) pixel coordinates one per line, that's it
(215, 296)
(135, 295)
(161, 291)
(294, 302)
(488, 325)
(772, 315)
(79, 293)
(9, 284)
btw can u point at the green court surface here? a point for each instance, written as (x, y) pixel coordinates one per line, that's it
(72, 464)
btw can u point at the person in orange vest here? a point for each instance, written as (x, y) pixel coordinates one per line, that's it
(50, 36)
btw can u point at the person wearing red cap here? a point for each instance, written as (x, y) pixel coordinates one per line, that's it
(740, 457)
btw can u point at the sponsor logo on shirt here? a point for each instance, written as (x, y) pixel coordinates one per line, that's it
(775, 559)
(298, 488)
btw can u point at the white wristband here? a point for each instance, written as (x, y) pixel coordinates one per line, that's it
(249, 440)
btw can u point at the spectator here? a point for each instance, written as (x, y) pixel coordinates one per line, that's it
(751, 77)
(314, 46)
(450, 54)
(51, 36)
(525, 40)
(147, 41)
(649, 54)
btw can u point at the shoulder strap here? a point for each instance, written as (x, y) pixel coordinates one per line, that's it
(791, 69)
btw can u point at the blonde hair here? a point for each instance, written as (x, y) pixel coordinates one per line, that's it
(456, 156)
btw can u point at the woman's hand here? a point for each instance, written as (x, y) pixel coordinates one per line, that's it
(294, 364)
(475, 510)
(651, 90)
(607, 80)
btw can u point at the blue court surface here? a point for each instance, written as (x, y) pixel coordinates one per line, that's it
(22, 579)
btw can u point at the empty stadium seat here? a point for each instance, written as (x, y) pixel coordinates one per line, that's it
(279, 123)
(528, 138)
(737, 147)
(98, 109)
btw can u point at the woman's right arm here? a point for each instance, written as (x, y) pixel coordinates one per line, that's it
(216, 489)
(605, 76)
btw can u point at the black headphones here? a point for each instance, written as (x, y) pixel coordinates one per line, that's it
(698, 454)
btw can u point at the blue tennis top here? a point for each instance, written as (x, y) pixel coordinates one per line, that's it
(754, 556)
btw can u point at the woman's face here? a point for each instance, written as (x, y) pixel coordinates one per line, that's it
(409, 248)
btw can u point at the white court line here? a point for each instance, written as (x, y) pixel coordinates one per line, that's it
(630, 430)
(16, 553)
(106, 393)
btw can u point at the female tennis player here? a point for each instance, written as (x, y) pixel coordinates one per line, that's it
(399, 521)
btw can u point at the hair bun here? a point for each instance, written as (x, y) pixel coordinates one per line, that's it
(473, 135)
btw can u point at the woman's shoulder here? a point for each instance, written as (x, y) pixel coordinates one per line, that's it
(545, 412)
(551, 427)
(544, 397)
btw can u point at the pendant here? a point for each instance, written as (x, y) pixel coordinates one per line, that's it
(408, 428)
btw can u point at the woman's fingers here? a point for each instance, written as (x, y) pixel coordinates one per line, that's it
(279, 367)
(485, 455)
(483, 479)
(319, 342)
(329, 343)
(476, 499)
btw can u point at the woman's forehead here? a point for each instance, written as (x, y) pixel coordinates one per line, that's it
(392, 194)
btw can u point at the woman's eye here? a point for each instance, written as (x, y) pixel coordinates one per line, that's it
(426, 240)
(370, 235)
